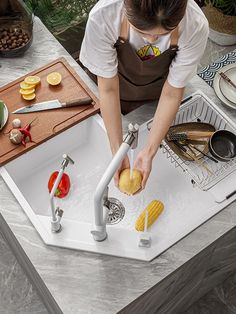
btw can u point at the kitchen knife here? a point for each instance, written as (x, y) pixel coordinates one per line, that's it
(54, 104)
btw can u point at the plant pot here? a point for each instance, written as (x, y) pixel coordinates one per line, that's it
(16, 28)
(16, 25)
(222, 39)
(222, 27)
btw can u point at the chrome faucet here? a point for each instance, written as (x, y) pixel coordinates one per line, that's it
(101, 193)
(58, 212)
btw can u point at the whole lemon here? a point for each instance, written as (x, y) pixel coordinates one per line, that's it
(130, 185)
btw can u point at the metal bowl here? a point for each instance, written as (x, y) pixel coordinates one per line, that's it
(222, 145)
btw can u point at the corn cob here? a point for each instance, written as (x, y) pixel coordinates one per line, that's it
(154, 209)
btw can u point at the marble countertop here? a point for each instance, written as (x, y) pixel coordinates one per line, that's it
(79, 281)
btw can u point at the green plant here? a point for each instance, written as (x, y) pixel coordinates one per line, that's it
(59, 15)
(228, 7)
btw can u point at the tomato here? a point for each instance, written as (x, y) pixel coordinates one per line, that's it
(63, 187)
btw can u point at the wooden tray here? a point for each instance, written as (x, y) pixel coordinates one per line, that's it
(51, 122)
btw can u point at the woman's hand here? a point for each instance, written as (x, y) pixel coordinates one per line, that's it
(124, 165)
(143, 163)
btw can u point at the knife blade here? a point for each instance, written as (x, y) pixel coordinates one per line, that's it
(54, 104)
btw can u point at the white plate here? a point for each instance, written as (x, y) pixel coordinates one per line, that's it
(216, 86)
(226, 88)
(5, 117)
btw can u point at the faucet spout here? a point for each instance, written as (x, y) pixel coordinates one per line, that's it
(57, 213)
(130, 141)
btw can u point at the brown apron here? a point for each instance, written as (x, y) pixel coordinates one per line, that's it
(141, 81)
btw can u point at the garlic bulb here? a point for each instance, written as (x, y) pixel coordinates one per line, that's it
(16, 123)
(16, 136)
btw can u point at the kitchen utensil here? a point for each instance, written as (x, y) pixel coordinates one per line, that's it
(209, 157)
(222, 145)
(54, 104)
(5, 118)
(216, 86)
(193, 156)
(227, 85)
(226, 78)
(192, 135)
(197, 142)
(199, 162)
(190, 126)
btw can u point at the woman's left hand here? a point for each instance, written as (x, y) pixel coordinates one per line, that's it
(143, 163)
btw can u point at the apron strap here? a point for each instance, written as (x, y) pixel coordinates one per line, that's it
(124, 30)
(174, 38)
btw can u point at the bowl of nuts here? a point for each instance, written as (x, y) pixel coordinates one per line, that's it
(15, 38)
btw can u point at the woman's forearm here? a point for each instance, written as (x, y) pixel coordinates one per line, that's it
(110, 110)
(165, 113)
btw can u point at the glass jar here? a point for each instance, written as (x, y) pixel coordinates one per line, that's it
(16, 28)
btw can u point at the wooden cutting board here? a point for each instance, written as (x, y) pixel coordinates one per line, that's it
(47, 123)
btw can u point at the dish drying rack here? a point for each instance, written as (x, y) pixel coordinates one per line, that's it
(199, 108)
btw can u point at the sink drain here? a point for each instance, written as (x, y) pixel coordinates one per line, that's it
(116, 211)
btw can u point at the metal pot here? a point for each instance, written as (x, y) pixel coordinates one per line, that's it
(222, 145)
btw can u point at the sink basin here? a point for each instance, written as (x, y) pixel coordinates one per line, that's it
(186, 207)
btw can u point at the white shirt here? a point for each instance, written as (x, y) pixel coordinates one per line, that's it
(103, 29)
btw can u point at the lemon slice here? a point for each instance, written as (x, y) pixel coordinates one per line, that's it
(54, 78)
(25, 86)
(26, 91)
(32, 80)
(29, 97)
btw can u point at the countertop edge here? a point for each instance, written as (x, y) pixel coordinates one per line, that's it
(28, 267)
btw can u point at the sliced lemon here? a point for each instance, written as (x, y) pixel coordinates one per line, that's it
(54, 78)
(26, 91)
(25, 86)
(32, 80)
(29, 97)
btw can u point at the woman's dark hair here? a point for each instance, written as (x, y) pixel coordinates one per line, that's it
(148, 14)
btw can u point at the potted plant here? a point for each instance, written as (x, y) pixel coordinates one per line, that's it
(221, 15)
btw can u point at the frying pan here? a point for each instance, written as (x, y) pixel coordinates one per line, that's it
(222, 145)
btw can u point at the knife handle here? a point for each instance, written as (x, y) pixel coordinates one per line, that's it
(78, 102)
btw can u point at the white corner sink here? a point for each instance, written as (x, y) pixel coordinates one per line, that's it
(186, 207)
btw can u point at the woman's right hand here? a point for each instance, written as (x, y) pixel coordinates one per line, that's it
(124, 165)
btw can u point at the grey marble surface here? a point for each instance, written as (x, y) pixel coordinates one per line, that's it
(17, 294)
(213, 52)
(83, 282)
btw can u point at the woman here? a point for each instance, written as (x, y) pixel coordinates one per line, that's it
(142, 50)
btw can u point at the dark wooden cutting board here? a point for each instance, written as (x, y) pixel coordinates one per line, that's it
(51, 122)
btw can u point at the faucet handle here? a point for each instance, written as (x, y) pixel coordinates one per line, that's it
(67, 157)
(66, 160)
(132, 137)
(133, 127)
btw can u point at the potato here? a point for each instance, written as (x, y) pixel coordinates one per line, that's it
(130, 185)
